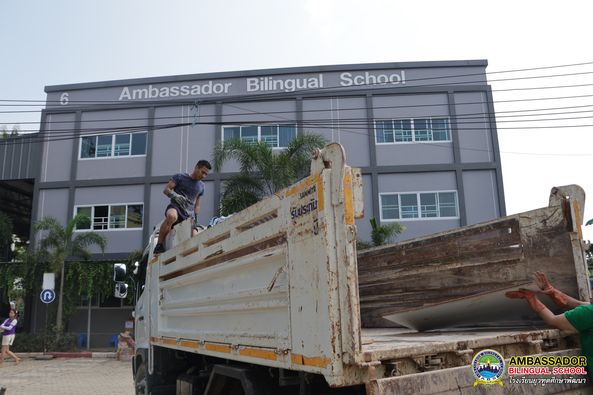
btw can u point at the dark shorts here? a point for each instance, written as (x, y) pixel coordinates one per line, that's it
(180, 216)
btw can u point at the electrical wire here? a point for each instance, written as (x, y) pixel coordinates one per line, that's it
(190, 101)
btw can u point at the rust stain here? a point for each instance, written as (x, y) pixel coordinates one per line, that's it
(578, 222)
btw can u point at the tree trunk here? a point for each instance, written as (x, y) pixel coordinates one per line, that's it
(59, 318)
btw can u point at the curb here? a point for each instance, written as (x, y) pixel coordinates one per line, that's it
(84, 354)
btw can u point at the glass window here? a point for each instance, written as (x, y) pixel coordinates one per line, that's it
(409, 205)
(139, 143)
(101, 218)
(122, 145)
(232, 133)
(88, 211)
(117, 217)
(135, 216)
(428, 205)
(440, 129)
(403, 130)
(448, 204)
(422, 130)
(88, 147)
(389, 207)
(104, 145)
(269, 135)
(287, 133)
(384, 131)
(249, 134)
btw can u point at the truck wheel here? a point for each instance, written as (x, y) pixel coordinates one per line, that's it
(141, 380)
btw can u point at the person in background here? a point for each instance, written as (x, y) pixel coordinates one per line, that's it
(185, 191)
(578, 319)
(8, 328)
(124, 341)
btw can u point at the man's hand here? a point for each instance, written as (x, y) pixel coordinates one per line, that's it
(529, 296)
(546, 287)
(179, 199)
(542, 282)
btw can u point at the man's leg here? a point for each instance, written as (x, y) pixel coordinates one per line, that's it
(170, 219)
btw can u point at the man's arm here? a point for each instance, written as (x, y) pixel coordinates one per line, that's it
(170, 193)
(197, 205)
(560, 298)
(555, 321)
(169, 188)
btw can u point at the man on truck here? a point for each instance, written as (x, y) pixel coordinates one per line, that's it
(185, 191)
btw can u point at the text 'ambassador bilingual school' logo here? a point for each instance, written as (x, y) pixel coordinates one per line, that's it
(488, 367)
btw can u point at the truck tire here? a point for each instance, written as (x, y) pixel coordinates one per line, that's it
(141, 380)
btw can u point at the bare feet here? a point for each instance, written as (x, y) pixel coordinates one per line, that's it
(18, 361)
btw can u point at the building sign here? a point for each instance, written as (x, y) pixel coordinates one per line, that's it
(240, 86)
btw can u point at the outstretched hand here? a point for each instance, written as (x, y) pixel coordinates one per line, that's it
(543, 283)
(529, 296)
(522, 293)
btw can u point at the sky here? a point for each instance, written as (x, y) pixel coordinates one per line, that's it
(62, 42)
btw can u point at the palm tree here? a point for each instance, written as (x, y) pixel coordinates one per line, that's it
(262, 171)
(61, 243)
(382, 234)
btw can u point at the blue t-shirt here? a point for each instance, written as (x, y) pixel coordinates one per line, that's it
(190, 188)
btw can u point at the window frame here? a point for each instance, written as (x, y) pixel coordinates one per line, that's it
(259, 134)
(419, 206)
(113, 138)
(413, 128)
(109, 205)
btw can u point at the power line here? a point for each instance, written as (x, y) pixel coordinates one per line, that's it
(192, 100)
(377, 83)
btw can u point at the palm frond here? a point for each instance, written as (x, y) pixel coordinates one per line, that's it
(81, 242)
(245, 153)
(240, 192)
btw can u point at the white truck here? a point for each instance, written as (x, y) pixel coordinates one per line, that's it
(276, 299)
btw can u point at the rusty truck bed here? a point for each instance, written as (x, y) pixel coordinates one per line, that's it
(454, 347)
(474, 261)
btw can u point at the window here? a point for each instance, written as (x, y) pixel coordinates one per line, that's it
(110, 217)
(113, 145)
(418, 205)
(275, 136)
(390, 131)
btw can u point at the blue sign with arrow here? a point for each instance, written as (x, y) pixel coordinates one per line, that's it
(47, 296)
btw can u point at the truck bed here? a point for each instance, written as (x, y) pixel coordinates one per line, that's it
(281, 285)
(433, 271)
(380, 344)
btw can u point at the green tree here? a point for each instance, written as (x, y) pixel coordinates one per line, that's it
(13, 132)
(5, 233)
(383, 234)
(62, 243)
(263, 172)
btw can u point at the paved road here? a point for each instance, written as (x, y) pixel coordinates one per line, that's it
(61, 376)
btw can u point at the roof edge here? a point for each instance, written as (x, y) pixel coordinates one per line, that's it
(271, 71)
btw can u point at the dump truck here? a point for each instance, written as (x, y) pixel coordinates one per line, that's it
(277, 299)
